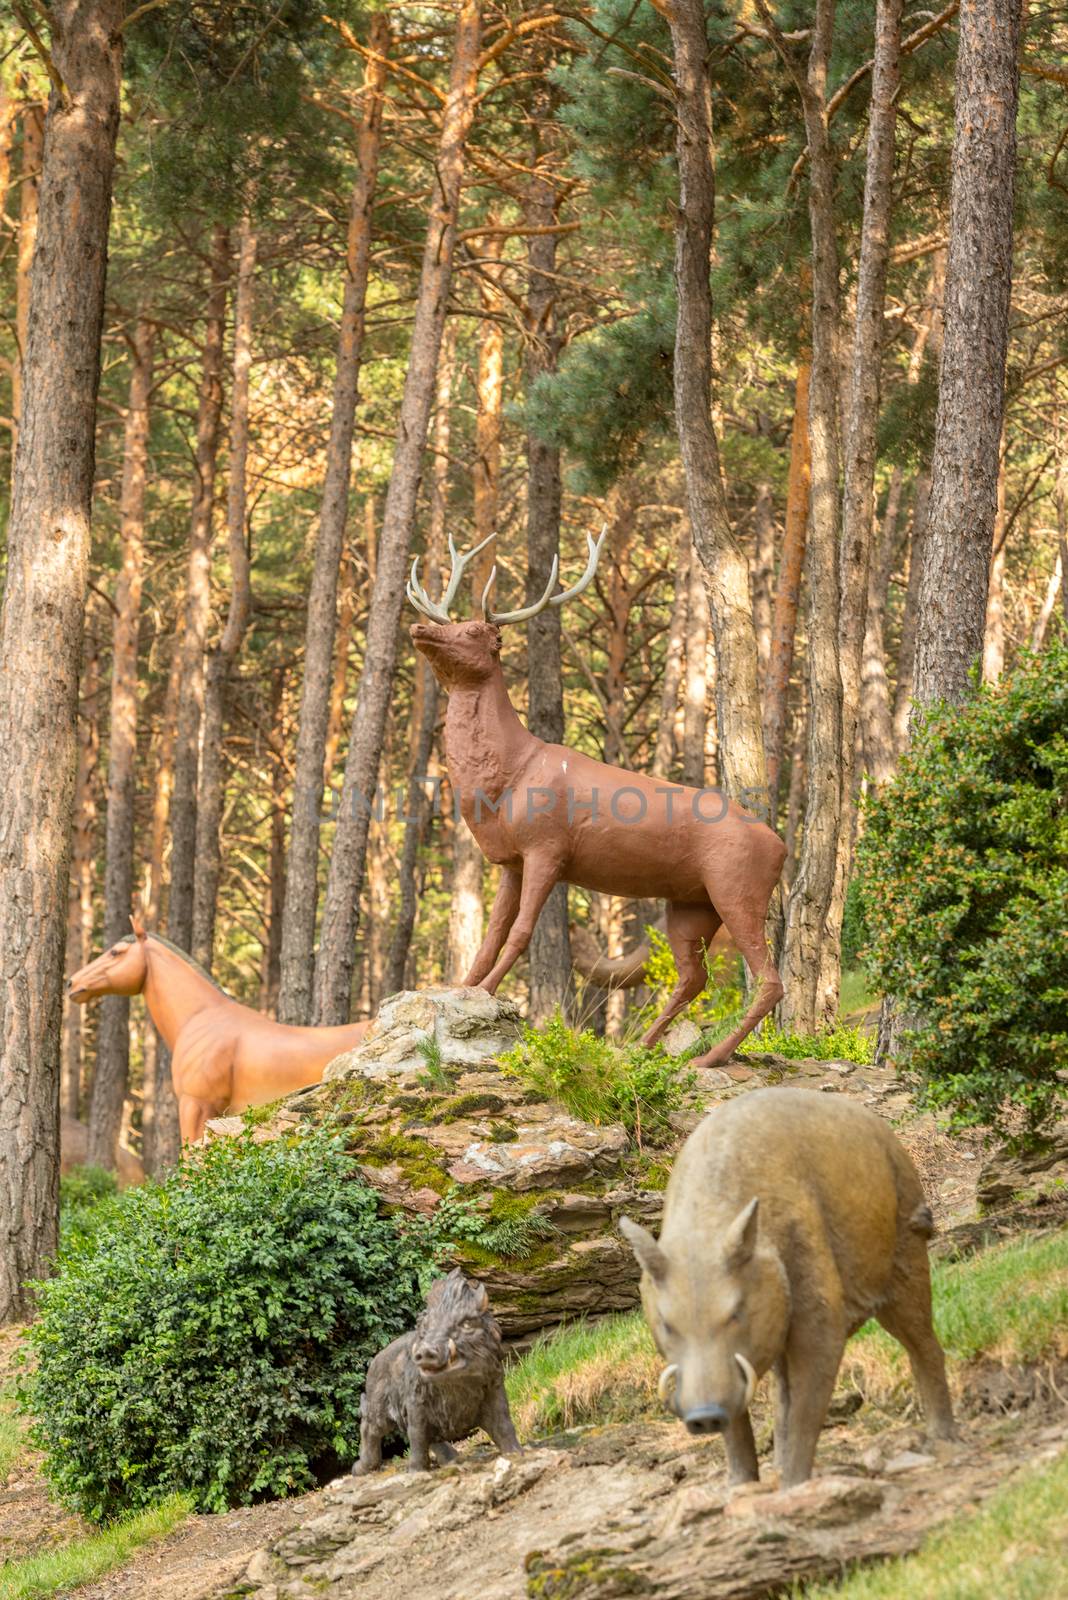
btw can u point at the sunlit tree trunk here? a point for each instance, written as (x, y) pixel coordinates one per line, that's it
(788, 592)
(737, 700)
(160, 1122)
(663, 762)
(696, 680)
(221, 663)
(762, 581)
(302, 867)
(551, 982)
(418, 804)
(333, 978)
(113, 1029)
(80, 904)
(29, 179)
(971, 391)
(465, 904)
(994, 624)
(276, 860)
(42, 621)
(197, 610)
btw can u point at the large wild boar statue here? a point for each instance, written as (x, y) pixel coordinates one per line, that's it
(440, 1382)
(791, 1218)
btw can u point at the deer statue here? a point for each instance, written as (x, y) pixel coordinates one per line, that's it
(546, 814)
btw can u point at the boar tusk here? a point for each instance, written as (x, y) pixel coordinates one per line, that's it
(452, 1351)
(749, 1376)
(665, 1384)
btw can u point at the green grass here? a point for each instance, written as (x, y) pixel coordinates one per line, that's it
(83, 1560)
(1009, 1304)
(1015, 1548)
(855, 995)
(10, 1436)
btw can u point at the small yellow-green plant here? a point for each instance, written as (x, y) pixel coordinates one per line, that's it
(598, 1081)
(843, 1042)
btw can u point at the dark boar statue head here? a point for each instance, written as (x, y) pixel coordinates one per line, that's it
(457, 1334)
(718, 1328)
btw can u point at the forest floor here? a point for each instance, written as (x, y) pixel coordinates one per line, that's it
(629, 1507)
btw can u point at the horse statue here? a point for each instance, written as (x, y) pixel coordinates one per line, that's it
(224, 1056)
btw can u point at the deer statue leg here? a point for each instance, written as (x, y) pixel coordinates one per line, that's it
(502, 916)
(745, 923)
(540, 875)
(689, 930)
(193, 1116)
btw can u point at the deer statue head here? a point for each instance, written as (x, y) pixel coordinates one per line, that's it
(466, 652)
(120, 970)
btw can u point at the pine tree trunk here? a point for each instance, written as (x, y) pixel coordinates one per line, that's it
(333, 977)
(197, 614)
(875, 719)
(737, 701)
(971, 390)
(418, 803)
(551, 983)
(807, 1002)
(42, 622)
(994, 623)
(862, 414)
(7, 132)
(674, 657)
(696, 680)
(276, 864)
(762, 581)
(346, 616)
(113, 1030)
(466, 899)
(160, 1137)
(302, 865)
(221, 664)
(788, 593)
(906, 650)
(80, 904)
(29, 181)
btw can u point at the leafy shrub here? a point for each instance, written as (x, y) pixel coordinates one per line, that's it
(840, 1043)
(213, 1337)
(596, 1080)
(86, 1195)
(963, 868)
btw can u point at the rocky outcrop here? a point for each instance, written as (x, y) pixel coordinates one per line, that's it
(1030, 1176)
(639, 1510)
(447, 1027)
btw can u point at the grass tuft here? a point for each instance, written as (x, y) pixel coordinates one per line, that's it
(1015, 1548)
(56, 1571)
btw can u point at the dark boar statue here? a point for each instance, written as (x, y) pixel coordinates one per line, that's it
(440, 1382)
(790, 1218)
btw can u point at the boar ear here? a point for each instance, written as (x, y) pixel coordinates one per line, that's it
(650, 1256)
(740, 1240)
(480, 1297)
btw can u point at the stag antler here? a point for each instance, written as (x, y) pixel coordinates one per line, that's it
(548, 598)
(418, 595)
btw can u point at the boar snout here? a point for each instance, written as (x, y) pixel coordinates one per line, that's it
(706, 1419)
(433, 1358)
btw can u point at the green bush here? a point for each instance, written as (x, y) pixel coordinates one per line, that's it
(86, 1196)
(599, 1081)
(963, 868)
(214, 1335)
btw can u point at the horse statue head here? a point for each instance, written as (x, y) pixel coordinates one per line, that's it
(120, 970)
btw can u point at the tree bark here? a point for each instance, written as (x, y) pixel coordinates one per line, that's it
(906, 650)
(737, 701)
(875, 719)
(160, 1139)
(29, 180)
(862, 415)
(674, 657)
(113, 1030)
(994, 623)
(551, 982)
(971, 391)
(418, 803)
(346, 616)
(302, 866)
(42, 622)
(333, 977)
(762, 582)
(80, 905)
(221, 664)
(788, 593)
(696, 680)
(465, 904)
(276, 863)
(183, 810)
(807, 1000)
